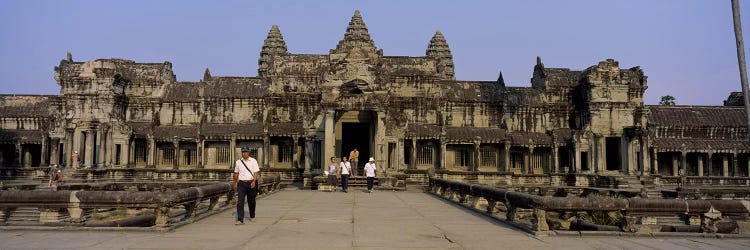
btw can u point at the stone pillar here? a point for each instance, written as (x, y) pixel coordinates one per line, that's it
(735, 164)
(380, 159)
(413, 156)
(330, 141)
(683, 162)
(131, 152)
(601, 152)
(506, 157)
(266, 151)
(700, 165)
(528, 166)
(710, 164)
(577, 158)
(89, 147)
(99, 151)
(295, 152)
(76, 147)
(233, 150)
(200, 155)
(400, 154)
(645, 161)
(656, 162)
(308, 154)
(443, 150)
(477, 157)
(43, 159)
(675, 164)
(26, 157)
(176, 157)
(725, 165)
(151, 159)
(555, 160)
(54, 157)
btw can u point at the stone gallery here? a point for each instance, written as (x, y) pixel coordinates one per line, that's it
(408, 112)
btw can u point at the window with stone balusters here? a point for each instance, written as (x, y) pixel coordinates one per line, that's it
(424, 155)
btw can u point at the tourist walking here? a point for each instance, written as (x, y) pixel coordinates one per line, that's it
(354, 159)
(75, 159)
(246, 174)
(370, 173)
(346, 169)
(332, 172)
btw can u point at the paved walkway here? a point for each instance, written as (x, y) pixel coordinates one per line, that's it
(354, 220)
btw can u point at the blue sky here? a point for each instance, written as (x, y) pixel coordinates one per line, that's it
(686, 47)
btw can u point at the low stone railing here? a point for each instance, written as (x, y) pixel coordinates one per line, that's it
(157, 209)
(565, 213)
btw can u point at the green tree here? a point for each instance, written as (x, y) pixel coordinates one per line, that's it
(667, 100)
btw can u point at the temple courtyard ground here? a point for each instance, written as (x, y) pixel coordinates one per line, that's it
(296, 219)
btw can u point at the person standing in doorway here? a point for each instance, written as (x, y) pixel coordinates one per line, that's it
(354, 159)
(246, 174)
(370, 173)
(332, 172)
(75, 160)
(346, 169)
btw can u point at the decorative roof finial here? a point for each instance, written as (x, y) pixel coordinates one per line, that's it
(356, 35)
(69, 57)
(207, 75)
(438, 49)
(273, 45)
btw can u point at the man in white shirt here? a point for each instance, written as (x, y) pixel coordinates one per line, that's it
(246, 174)
(370, 173)
(346, 168)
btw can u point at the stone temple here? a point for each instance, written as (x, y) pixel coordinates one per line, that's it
(410, 113)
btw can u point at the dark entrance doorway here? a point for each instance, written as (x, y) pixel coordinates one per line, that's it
(356, 135)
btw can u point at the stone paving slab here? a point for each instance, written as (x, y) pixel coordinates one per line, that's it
(355, 220)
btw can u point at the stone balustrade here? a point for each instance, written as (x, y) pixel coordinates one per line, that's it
(543, 213)
(160, 210)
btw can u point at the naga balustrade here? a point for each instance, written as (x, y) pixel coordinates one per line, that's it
(638, 215)
(56, 206)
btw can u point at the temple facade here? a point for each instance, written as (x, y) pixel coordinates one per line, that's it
(409, 113)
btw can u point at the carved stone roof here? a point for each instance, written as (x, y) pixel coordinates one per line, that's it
(438, 47)
(562, 135)
(696, 116)
(675, 144)
(529, 139)
(226, 130)
(523, 96)
(423, 131)
(561, 77)
(179, 131)
(274, 43)
(25, 106)
(471, 91)
(286, 129)
(9, 136)
(182, 92)
(140, 129)
(235, 87)
(471, 134)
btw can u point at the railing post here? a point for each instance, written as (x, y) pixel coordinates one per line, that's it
(162, 216)
(540, 220)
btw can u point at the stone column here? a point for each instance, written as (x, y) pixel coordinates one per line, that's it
(443, 149)
(683, 162)
(68, 149)
(477, 157)
(176, 158)
(656, 162)
(378, 153)
(131, 152)
(330, 141)
(735, 166)
(700, 165)
(555, 160)
(710, 164)
(26, 157)
(99, 151)
(645, 161)
(528, 164)
(506, 157)
(200, 154)
(413, 156)
(295, 151)
(675, 164)
(308, 154)
(43, 159)
(577, 158)
(400, 153)
(55, 151)
(76, 147)
(266, 151)
(89, 147)
(601, 152)
(151, 159)
(725, 165)
(233, 150)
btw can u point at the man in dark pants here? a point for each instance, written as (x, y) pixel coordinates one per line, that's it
(246, 173)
